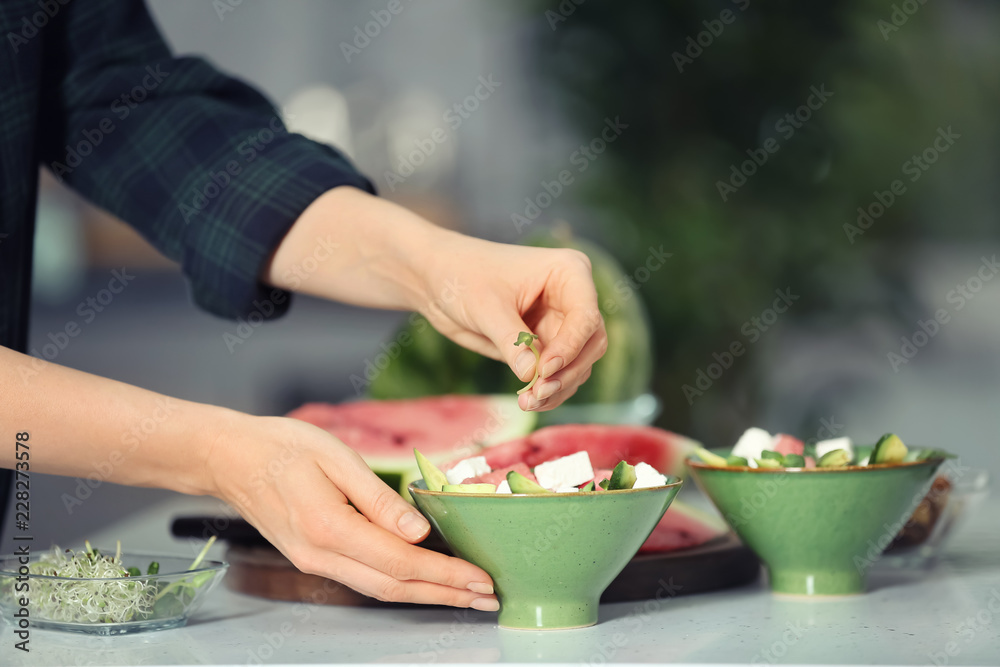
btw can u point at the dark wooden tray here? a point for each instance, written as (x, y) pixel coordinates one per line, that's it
(257, 568)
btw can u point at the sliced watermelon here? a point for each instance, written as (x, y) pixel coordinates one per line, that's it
(443, 428)
(683, 527)
(500, 475)
(786, 444)
(606, 445)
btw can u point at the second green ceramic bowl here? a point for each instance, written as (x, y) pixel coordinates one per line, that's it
(817, 530)
(550, 555)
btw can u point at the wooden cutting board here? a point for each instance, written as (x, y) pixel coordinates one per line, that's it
(261, 570)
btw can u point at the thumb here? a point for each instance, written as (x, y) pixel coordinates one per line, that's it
(381, 504)
(503, 329)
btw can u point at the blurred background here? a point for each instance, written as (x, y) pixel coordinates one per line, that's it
(803, 200)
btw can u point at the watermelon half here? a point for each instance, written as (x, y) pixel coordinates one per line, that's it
(606, 444)
(443, 428)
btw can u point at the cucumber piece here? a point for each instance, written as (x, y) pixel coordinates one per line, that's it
(433, 477)
(737, 461)
(521, 484)
(794, 461)
(589, 486)
(862, 455)
(929, 453)
(767, 463)
(889, 449)
(469, 488)
(774, 456)
(604, 484)
(709, 458)
(622, 477)
(838, 458)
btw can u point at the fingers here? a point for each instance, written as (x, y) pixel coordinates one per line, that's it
(553, 389)
(382, 505)
(501, 325)
(381, 586)
(582, 320)
(358, 539)
(529, 402)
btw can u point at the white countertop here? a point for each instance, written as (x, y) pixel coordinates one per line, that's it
(907, 618)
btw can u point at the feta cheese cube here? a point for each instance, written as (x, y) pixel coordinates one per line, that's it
(567, 489)
(570, 470)
(466, 468)
(647, 476)
(752, 443)
(503, 487)
(824, 446)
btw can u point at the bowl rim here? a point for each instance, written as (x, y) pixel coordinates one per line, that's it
(205, 566)
(672, 481)
(701, 465)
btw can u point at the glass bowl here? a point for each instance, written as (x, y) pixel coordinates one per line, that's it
(140, 603)
(954, 496)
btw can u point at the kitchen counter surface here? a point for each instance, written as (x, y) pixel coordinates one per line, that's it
(946, 615)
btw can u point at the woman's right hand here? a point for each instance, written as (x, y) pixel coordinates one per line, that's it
(293, 481)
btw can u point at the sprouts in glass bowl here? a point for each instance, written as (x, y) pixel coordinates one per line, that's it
(93, 591)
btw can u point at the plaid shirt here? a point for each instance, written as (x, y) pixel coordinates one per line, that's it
(198, 162)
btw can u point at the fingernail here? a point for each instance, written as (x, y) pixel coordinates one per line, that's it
(524, 365)
(485, 604)
(552, 366)
(482, 589)
(413, 525)
(533, 403)
(548, 388)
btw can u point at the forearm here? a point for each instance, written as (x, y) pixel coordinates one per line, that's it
(352, 247)
(82, 424)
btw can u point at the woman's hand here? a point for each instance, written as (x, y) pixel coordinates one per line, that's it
(478, 293)
(293, 482)
(483, 294)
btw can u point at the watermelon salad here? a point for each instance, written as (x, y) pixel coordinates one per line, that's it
(567, 474)
(757, 448)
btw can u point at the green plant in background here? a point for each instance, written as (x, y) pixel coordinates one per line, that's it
(750, 200)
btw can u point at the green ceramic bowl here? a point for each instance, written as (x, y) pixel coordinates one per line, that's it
(817, 530)
(551, 555)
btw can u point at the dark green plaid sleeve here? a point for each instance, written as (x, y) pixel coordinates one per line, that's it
(199, 162)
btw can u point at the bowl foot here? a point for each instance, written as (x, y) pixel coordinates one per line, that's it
(810, 584)
(548, 615)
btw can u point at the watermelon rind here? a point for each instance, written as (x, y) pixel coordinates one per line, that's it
(511, 422)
